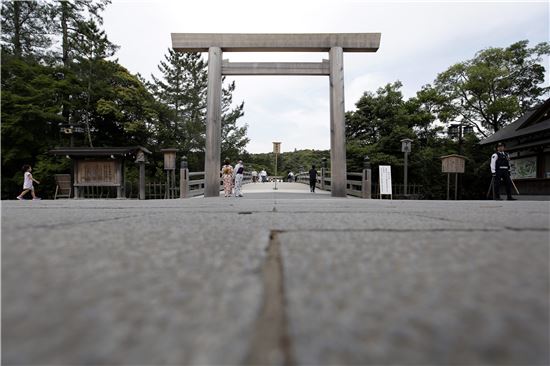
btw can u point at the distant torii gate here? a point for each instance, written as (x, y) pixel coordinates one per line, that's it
(334, 43)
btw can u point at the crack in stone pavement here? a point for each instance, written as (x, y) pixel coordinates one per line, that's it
(271, 343)
(85, 222)
(329, 230)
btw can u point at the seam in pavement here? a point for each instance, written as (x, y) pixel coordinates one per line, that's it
(71, 224)
(271, 343)
(329, 230)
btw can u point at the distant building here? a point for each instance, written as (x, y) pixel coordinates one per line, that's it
(527, 140)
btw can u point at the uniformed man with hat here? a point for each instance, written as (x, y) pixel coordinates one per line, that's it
(500, 167)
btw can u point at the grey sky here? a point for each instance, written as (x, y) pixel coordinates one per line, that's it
(419, 40)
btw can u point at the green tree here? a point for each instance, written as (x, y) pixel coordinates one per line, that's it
(124, 111)
(70, 18)
(30, 116)
(234, 139)
(182, 87)
(93, 48)
(376, 128)
(494, 88)
(25, 28)
(75, 21)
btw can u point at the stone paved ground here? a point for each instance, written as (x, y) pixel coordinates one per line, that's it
(343, 281)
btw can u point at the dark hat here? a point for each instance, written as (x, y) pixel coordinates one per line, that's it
(500, 144)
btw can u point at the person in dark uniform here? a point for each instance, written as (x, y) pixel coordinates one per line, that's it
(500, 167)
(312, 178)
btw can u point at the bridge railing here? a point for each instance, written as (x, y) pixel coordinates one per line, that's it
(357, 185)
(192, 183)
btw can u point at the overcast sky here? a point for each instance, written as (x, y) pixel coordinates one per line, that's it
(419, 40)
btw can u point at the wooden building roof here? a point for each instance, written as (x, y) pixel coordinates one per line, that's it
(535, 123)
(98, 151)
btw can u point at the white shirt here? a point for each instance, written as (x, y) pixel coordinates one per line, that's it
(237, 167)
(27, 183)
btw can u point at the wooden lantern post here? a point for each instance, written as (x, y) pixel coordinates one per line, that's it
(170, 168)
(276, 151)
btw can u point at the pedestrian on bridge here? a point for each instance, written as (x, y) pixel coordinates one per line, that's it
(227, 178)
(263, 176)
(312, 178)
(239, 174)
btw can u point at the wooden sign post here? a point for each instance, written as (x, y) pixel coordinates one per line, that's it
(453, 164)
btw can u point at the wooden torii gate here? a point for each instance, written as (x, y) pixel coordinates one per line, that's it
(333, 43)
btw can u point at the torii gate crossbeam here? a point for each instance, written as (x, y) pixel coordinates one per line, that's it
(333, 43)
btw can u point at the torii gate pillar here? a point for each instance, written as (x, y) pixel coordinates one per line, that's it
(333, 43)
(212, 161)
(338, 185)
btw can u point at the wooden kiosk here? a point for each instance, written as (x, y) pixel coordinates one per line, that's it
(101, 166)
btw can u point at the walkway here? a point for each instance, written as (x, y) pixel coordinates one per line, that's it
(284, 190)
(274, 280)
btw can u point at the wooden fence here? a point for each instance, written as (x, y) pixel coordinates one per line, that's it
(356, 186)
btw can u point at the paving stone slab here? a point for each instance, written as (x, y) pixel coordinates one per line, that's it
(417, 298)
(180, 281)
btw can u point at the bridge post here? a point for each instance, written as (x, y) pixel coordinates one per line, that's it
(367, 179)
(337, 123)
(184, 178)
(213, 123)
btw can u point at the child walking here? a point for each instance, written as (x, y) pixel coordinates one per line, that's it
(27, 183)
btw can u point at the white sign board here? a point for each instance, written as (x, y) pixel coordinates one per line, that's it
(385, 179)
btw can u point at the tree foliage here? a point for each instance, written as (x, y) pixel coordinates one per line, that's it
(182, 87)
(58, 70)
(25, 28)
(494, 88)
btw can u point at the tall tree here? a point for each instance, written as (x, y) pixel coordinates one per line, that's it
(124, 112)
(25, 28)
(494, 88)
(182, 86)
(70, 17)
(30, 115)
(73, 21)
(234, 138)
(93, 47)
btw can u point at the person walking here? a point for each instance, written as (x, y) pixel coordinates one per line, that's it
(500, 168)
(312, 178)
(227, 178)
(254, 176)
(27, 183)
(238, 172)
(263, 175)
